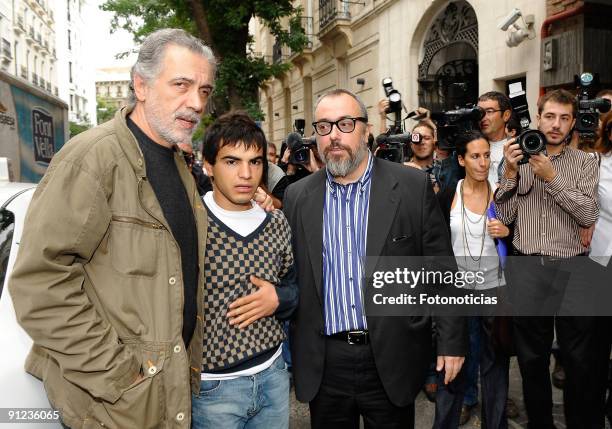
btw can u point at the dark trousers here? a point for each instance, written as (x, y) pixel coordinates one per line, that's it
(351, 388)
(494, 380)
(494, 372)
(533, 338)
(544, 288)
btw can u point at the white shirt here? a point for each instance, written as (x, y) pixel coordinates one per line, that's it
(242, 222)
(601, 244)
(497, 155)
(469, 242)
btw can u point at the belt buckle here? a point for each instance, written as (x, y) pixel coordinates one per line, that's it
(359, 337)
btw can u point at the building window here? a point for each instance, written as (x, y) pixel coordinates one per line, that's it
(70, 71)
(71, 102)
(15, 47)
(69, 41)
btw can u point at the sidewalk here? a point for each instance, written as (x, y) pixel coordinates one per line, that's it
(299, 418)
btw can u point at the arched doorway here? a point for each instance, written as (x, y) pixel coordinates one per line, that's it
(448, 73)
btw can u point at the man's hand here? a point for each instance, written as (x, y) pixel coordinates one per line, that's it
(254, 306)
(512, 154)
(451, 365)
(383, 105)
(286, 155)
(312, 165)
(264, 200)
(542, 167)
(586, 235)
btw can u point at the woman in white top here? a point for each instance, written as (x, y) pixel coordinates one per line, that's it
(473, 238)
(465, 207)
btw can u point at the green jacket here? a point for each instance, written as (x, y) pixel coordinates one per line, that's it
(97, 284)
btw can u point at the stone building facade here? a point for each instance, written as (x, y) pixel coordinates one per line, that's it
(439, 53)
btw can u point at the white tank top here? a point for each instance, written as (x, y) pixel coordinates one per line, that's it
(470, 242)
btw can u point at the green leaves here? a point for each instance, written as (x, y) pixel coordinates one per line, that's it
(240, 72)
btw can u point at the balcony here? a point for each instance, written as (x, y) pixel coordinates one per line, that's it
(19, 26)
(38, 39)
(34, 78)
(308, 30)
(332, 10)
(42, 83)
(335, 25)
(24, 72)
(30, 36)
(5, 52)
(280, 52)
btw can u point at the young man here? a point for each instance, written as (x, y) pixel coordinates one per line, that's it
(549, 199)
(498, 111)
(108, 276)
(250, 287)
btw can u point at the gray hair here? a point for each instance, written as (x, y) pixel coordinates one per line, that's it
(363, 111)
(152, 52)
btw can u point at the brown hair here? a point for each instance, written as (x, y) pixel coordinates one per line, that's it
(560, 96)
(603, 144)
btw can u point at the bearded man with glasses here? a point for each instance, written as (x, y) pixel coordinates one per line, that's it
(346, 362)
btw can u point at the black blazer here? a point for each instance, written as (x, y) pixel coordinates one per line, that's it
(402, 203)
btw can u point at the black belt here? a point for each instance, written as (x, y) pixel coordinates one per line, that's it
(545, 260)
(352, 337)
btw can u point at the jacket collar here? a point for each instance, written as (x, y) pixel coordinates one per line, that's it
(128, 142)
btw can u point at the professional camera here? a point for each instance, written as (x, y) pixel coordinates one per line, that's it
(454, 122)
(587, 119)
(395, 98)
(530, 141)
(299, 145)
(396, 147)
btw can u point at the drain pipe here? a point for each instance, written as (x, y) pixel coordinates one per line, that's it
(544, 32)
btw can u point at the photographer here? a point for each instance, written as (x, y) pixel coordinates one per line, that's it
(549, 199)
(297, 171)
(498, 112)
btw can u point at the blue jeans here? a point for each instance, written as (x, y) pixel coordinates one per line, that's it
(249, 402)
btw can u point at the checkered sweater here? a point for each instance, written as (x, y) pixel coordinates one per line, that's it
(230, 260)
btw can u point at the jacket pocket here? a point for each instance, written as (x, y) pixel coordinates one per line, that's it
(142, 404)
(134, 246)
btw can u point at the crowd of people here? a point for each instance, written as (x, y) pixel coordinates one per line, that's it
(162, 294)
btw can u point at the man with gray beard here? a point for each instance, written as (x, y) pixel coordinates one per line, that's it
(347, 363)
(108, 281)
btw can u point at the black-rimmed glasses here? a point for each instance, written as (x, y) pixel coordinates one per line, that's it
(345, 125)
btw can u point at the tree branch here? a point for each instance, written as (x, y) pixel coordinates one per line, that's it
(201, 20)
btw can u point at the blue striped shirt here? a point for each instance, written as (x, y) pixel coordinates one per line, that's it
(345, 225)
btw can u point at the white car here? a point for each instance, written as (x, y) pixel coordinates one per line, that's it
(21, 395)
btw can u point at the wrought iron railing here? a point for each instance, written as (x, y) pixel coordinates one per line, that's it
(330, 10)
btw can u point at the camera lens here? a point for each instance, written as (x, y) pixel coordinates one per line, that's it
(532, 142)
(301, 156)
(588, 121)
